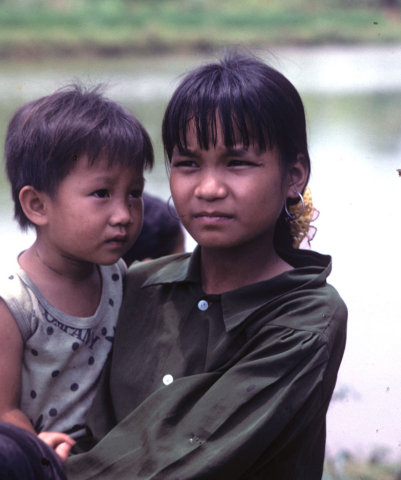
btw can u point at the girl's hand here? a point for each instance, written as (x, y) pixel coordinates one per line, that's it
(60, 442)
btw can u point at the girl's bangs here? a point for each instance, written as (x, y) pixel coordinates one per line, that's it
(239, 126)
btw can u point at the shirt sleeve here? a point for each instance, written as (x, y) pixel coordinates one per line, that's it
(20, 302)
(223, 425)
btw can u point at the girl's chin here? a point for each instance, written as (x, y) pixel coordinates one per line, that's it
(217, 244)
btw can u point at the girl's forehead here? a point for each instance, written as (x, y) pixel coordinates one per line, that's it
(219, 148)
(211, 133)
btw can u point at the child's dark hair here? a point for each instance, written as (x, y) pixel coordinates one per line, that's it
(45, 137)
(255, 105)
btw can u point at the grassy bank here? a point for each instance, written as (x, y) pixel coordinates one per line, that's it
(352, 469)
(112, 27)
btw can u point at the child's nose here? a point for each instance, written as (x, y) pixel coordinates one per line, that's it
(122, 214)
(211, 187)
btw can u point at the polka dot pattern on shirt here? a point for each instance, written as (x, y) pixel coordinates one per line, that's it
(87, 352)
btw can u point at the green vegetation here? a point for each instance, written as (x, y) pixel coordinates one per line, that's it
(117, 27)
(352, 469)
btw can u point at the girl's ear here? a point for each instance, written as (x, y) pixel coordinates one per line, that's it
(298, 175)
(33, 205)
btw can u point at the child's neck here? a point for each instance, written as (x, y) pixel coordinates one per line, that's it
(223, 270)
(70, 286)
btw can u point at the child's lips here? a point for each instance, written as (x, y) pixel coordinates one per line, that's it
(117, 240)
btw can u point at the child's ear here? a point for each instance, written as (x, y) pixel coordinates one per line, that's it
(33, 205)
(298, 175)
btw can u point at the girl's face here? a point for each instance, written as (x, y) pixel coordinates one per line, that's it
(228, 197)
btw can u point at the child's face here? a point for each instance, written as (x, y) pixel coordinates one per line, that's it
(96, 213)
(227, 198)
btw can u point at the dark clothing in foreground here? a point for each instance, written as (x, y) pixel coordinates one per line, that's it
(253, 372)
(24, 457)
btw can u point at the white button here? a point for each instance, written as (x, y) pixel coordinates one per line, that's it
(167, 379)
(203, 305)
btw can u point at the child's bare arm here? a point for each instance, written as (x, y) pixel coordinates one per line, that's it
(11, 351)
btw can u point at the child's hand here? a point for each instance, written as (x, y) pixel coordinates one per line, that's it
(61, 442)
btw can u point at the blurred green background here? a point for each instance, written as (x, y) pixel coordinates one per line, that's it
(118, 27)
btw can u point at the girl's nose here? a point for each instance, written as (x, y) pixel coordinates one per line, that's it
(211, 187)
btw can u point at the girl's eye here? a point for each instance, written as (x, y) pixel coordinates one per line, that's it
(185, 163)
(103, 193)
(240, 163)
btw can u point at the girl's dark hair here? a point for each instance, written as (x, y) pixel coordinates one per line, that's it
(255, 105)
(45, 136)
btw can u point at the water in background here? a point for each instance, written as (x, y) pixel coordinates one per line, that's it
(353, 103)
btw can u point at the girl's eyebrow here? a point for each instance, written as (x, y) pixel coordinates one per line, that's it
(237, 152)
(234, 152)
(185, 152)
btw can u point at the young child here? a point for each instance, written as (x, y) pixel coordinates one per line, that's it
(75, 161)
(224, 359)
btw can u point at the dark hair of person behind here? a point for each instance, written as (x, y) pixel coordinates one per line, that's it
(45, 136)
(255, 105)
(160, 232)
(23, 456)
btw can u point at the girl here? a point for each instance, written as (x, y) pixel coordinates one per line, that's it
(246, 337)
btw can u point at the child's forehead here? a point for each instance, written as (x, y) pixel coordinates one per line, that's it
(103, 164)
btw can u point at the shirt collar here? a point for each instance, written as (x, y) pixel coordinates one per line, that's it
(182, 268)
(311, 270)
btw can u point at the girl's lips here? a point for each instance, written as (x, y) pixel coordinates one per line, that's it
(212, 218)
(212, 214)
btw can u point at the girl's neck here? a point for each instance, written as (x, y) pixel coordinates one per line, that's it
(223, 270)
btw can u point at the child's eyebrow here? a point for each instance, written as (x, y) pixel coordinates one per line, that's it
(106, 178)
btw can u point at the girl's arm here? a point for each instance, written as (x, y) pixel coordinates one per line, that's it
(11, 351)
(266, 411)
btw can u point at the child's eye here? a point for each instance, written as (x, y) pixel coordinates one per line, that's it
(136, 193)
(103, 193)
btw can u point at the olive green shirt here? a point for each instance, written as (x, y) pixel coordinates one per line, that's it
(230, 386)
